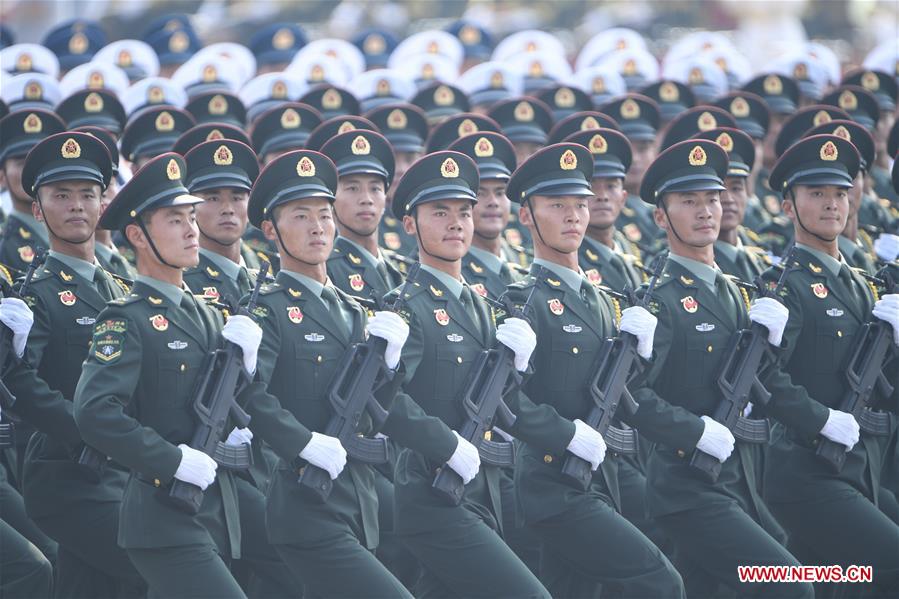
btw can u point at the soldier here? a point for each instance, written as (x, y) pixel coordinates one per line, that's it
(22, 234)
(553, 187)
(831, 518)
(66, 175)
(134, 399)
(308, 326)
(153, 132)
(357, 266)
(459, 546)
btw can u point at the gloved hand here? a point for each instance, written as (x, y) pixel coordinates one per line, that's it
(16, 314)
(242, 331)
(239, 436)
(196, 467)
(637, 321)
(325, 452)
(392, 328)
(587, 444)
(772, 315)
(716, 439)
(887, 310)
(465, 460)
(887, 247)
(842, 428)
(517, 335)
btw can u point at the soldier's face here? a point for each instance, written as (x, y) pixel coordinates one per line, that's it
(608, 200)
(403, 161)
(560, 220)
(695, 217)
(307, 230)
(12, 173)
(360, 203)
(822, 209)
(443, 227)
(223, 215)
(855, 194)
(774, 126)
(173, 230)
(71, 209)
(525, 149)
(733, 203)
(644, 152)
(492, 212)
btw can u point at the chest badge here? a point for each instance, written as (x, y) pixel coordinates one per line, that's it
(314, 337)
(441, 317)
(479, 289)
(392, 241)
(689, 304)
(835, 312)
(356, 282)
(453, 337)
(593, 276)
(555, 306)
(210, 293)
(85, 321)
(67, 298)
(572, 328)
(705, 327)
(26, 254)
(159, 322)
(819, 290)
(294, 314)
(177, 344)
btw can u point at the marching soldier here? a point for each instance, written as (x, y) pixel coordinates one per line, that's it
(134, 401)
(699, 309)
(357, 266)
(459, 546)
(308, 326)
(554, 186)
(66, 174)
(831, 518)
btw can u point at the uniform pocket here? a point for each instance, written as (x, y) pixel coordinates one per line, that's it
(453, 369)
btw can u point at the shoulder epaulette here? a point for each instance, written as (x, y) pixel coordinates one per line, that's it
(125, 300)
(269, 288)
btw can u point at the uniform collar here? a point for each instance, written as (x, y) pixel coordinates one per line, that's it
(309, 283)
(366, 255)
(454, 286)
(729, 250)
(173, 293)
(572, 278)
(703, 272)
(493, 262)
(829, 262)
(32, 223)
(230, 268)
(82, 268)
(605, 252)
(104, 251)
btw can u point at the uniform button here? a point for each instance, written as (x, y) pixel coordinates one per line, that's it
(318, 359)
(157, 482)
(488, 435)
(548, 459)
(839, 333)
(709, 349)
(680, 453)
(183, 367)
(459, 359)
(574, 350)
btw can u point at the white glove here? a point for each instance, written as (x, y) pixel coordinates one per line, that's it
(772, 315)
(392, 328)
(325, 452)
(242, 331)
(587, 444)
(465, 460)
(517, 335)
(16, 314)
(716, 439)
(637, 321)
(841, 428)
(887, 310)
(240, 436)
(196, 467)
(887, 247)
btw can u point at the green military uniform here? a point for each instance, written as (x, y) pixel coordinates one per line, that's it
(22, 237)
(699, 310)
(830, 518)
(307, 329)
(460, 547)
(353, 270)
(134, 403)
(113, 262)
(572, 320)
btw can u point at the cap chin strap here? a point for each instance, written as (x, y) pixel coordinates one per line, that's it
(284, 246)
(527, 203)
(803, 227)
(213, 239)
(159, 257)
(421, 243)
(673, 230)
(53, 234)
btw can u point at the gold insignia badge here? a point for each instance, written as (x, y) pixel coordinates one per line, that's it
(392, 240)
(829, 151)
(26, 254)
(70, 149)
(436, 292)
(283, 39)
(531, 46)
(290, 119)
(383, 87)
(591, 255)
(589, 123)
(739, 107)
(155, 95)
(668, 92)
(686, 280)
(706, 121)
(331, 99)
(568, 160)
(316, 73)
(374, 44)
(159, 322)
(629, 109)
(164, 122)
(427, 71)
(697, 156)
(725, 141)
(483, 148)
(441, 317)
(279, 90)
(535, 71)
(870, 81)
(34, 91)
(24, 233)
(524, 112)
(467, 127)
(93, 103)
(154, 300)
(629, 68)
(305, 167)
(848, 101)
(696, 77)
(689, 304)
(179, 42)
(397, 119)
(821, 117)
(360, 146)
(173, 170)
(814, 268)
(800, 71)
(293, 292)
(553, 282)
(475, 268)
(124, 59)
(469, 35)
(78, 43)
(223, 156)
(218, 105)
(496, 80)
(210, 75)
(843, 132)
(24, 62)
(32, 124)
(772, 85)
(564, 97)
(598, 85)
(354, 259)
(598, 144)
(433, 47)
(449, 169)
(444, 96)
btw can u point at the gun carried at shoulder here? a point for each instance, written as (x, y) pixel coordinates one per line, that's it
(739, 383)
(351, 394)
(864, 374)
(224, 378)
(492, 376)
(7, 399)
(616, 364)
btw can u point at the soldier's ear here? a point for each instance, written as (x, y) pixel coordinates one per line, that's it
(36, 211)
(135, 235)
(268, 229)
(409, 225)
(524, 214)
(660, 218)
